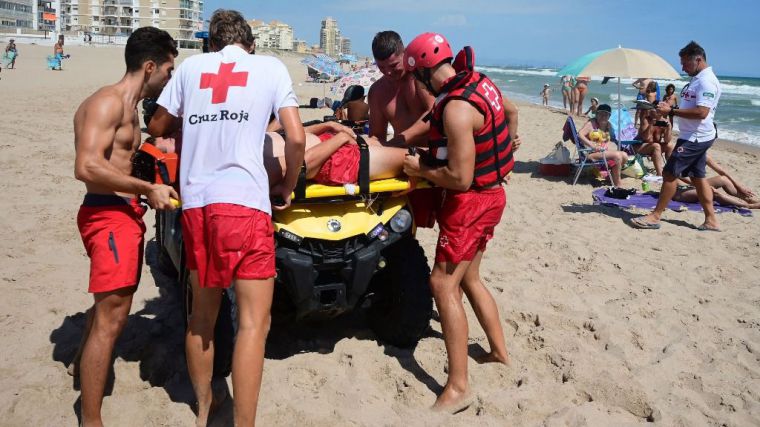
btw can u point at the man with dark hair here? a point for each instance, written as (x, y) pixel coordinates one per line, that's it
(107, 134)
(223, 101)
(697, 132)
(395, 98)
(149, 44)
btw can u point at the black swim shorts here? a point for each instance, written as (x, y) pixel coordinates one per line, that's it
(689, 159)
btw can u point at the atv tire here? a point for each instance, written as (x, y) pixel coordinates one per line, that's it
(401, 304)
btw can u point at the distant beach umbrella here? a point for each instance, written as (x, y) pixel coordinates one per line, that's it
(323, 64)
(363, 77)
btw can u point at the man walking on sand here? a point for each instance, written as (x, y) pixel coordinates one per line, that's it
(224, 99)
(395, 98)
(470, 156)
(699, 99)
(107, 134)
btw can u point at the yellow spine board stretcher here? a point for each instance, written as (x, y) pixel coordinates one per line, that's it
(390, 185)
(316, 191)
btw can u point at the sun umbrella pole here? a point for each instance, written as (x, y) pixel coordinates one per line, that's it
(620, 111)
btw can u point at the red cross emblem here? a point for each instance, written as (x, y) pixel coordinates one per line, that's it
(220, 83)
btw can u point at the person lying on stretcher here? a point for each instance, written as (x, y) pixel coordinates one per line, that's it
(333, 156)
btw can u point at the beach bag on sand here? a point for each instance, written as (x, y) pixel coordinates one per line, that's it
(633, 170)
(557, 163)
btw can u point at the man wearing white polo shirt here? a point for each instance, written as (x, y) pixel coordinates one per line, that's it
(697, 132)
(224, 100)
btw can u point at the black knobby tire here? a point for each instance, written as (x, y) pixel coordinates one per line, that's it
(165, 264)
(402, 304)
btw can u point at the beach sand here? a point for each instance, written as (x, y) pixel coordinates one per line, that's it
(606, 325)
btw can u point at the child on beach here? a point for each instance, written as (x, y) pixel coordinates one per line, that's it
(591, 112)
(545, 93)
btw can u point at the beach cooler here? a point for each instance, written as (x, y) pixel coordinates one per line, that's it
(557, 163)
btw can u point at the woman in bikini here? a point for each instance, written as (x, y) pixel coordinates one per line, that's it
(567, 83)
(581, 87)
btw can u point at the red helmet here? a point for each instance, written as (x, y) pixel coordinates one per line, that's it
(426, 51)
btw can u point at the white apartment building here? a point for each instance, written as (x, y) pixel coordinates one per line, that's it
(118, 18)
(274, 35)
(329, 37)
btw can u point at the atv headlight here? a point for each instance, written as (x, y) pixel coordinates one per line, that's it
(401, 221)
(290, 236)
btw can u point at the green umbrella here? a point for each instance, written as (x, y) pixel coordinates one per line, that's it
(620, 62)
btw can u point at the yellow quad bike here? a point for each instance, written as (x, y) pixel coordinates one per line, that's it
(337, 249)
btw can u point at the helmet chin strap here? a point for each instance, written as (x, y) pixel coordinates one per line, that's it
(424, 76)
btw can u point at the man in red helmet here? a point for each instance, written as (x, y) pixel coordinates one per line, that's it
(395, 99)
(472, 136)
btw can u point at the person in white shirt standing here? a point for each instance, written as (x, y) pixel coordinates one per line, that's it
(699, 99)
(223, 100)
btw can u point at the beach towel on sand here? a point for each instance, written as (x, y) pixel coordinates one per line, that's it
(648, 200)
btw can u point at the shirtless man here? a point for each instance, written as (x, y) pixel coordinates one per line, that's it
(394, 98)
(58, 52)
(12, 52)
(107, 134)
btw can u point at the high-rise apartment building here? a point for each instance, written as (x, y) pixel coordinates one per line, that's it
(345, 45)
(274, 35)
(17, 14)
(329, 37)
(180, 18)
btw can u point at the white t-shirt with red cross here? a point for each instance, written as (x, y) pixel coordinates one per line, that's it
(225, 99)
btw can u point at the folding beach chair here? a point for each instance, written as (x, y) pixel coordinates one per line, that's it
(625, 135)
(581, 160)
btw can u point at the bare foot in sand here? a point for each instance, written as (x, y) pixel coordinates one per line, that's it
(493, 358)
(451, 401)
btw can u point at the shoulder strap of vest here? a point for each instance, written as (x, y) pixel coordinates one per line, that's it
(494, 132)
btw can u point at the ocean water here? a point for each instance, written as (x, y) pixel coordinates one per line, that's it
(737, 116)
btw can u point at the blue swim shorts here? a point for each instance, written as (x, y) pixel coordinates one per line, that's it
(689, 159)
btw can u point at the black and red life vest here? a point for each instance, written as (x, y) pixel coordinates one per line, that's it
(493, 145)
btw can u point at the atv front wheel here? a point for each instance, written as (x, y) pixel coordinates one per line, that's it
(402, 303)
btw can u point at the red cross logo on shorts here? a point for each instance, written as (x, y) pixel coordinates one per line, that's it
(220, 83)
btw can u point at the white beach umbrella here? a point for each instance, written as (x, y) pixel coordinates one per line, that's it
(621, 63)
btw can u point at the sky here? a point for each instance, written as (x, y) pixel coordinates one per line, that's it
(535, 32)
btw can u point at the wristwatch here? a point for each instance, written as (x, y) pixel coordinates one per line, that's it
(673, 110)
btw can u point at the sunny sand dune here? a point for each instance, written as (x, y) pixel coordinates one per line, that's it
(606, 325)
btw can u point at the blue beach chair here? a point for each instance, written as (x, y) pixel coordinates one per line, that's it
(626, 134)
(581, 160)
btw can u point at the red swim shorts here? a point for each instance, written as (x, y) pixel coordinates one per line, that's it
(225, 242)
(113, 234)
(342, 167)
(467, 220)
